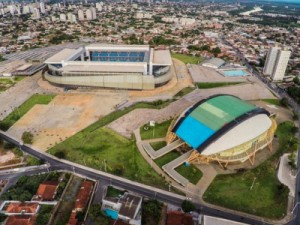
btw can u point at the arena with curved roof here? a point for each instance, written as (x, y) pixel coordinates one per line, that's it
(226, 129)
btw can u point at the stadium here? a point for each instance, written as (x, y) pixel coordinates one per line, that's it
(224, 129)
(112, 66)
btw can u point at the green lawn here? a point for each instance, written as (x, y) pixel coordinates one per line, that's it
(113, 192)
(268, 197)
(102, 147)
(184, 91)
(7, 82)
(23, 109)
(215, 85)
(187, 59)
(161, 161)
(192, 173)
(158, 145)
(158, 131)
(272, 101)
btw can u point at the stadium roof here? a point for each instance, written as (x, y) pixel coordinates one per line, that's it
(210, 118)
(162, 57)
(60, 56)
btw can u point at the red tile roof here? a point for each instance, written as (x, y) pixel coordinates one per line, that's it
(179, 218)
(72, 220)
(83, 195)
(20, 207)
(20, 220)
(46, 190)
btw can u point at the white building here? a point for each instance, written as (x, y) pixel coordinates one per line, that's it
(89, 14)
(99, 7)
(36, 13)
(71, 18)
(94, 15)
(112, 66)
(63, 17)
(276, 63)
(80, 15)
(42, 7)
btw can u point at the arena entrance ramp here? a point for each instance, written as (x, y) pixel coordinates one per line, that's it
(168, 148)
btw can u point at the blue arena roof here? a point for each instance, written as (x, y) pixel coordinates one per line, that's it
(209, 118)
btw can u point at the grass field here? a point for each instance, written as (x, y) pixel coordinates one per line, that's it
(192, 173)
(268, 197)
(158, 145)
(105, 148)
(161, 161)
(187, 59)
(158, 131)
(184, 91)
(272, 101)
(24, 108)
(215, 85)
(6, 83)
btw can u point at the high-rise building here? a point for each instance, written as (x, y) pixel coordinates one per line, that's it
(276, 63)
(89, 14)
(94, 15)
(80, 15)
(36, 13)
(42, 7)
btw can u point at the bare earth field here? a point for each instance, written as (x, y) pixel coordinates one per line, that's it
(64, 116)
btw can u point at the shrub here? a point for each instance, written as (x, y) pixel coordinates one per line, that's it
(187, 206)
(27, 137)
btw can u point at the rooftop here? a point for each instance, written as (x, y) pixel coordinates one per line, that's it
(215, 62)
(208, 116)
(21, 207)
(83, 195)
(60, 56)
(20, 220)
(179, 218)
(209, 220)
(129, 205)
(46, 190)
(162, 57)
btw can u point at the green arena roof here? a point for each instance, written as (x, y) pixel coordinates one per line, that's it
(208, 116)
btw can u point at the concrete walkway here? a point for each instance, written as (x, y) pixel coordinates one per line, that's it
(284, 174)
(190, 190)
(209, 174)
(168, 148)
(170, 168)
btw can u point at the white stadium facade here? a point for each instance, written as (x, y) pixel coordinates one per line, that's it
(136, 67)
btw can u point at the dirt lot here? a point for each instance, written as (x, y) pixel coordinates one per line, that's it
(64, 116)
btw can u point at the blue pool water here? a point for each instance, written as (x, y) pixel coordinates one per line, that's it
(235, 73)
(111, 213)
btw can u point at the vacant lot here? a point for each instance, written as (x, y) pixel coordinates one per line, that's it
(19, 112)
(63, 117)
(256, 191)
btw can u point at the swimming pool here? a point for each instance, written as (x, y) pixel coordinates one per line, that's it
(111, 213)
(235, 73)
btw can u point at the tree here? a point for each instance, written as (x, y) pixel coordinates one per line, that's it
(187, 206)
(216, 51)
(284, 102)
(27, 137)
(292, 160)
